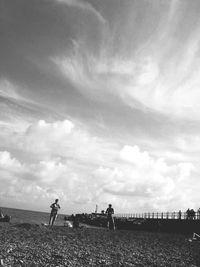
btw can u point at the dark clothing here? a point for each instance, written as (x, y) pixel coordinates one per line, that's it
(54, 208)
(75, 221)
(1, 214)
(109, 212)
(110, 219)
(54, 211)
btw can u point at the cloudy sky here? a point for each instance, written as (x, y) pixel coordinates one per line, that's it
(99, 104)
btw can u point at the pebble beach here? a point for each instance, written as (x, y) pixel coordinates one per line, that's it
(28, 244)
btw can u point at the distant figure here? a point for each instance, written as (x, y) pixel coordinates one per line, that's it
(54, 212)
(179, 214)
(110, 219)
(75, 221)
(1, 213)
(198, 214)
(187, 213)
(190, 214)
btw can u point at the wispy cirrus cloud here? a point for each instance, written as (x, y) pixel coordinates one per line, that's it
(168, 86)
(84, 6)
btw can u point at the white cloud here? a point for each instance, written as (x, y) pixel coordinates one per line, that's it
(63, 154)
(84, 170)
(144, 177)
(64, 139)
(6, 161)
(133, 155)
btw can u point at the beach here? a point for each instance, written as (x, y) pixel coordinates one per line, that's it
(30, 243)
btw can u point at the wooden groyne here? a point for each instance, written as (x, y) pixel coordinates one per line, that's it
(165, 222)
(162, 225)
(160, 215)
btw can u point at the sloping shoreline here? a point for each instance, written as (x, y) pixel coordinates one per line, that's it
(25, 244)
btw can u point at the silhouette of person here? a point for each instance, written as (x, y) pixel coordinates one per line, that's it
(1, 213)
(54, 212)
(179, 214)
(198, 213)
(192, 214)
(188, 214)
(110, 219)
(75, 221)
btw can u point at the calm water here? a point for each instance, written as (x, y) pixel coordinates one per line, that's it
(28, 216)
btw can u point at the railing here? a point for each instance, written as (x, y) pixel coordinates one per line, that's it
(160, 215)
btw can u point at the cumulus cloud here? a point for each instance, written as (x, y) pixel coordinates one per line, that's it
(6, 161)
(64, 139)
(143, 179)
(62, 156)
(83, 170)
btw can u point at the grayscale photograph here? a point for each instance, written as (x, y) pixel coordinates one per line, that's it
(99, 133)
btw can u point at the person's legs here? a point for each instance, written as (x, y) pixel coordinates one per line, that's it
(50, 218)
(108, 223)
(111, 224)
(113, 221)
(54, 218)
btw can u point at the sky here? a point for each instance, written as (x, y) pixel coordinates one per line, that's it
(99, 104)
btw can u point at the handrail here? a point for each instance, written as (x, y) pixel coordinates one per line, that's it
(160, 215)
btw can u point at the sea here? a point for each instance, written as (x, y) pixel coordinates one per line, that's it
(29, 216)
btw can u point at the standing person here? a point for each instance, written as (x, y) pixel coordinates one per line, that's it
(179, 214)
(54, 212)
(1, 213)
(75, 221)
(110, 219)
(198, 214)
(188, 214)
